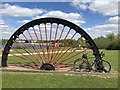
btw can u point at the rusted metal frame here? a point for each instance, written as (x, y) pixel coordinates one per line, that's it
(82, 51)
(10, 59)
(19, 62)
(62, 43)
(28, 48)
(71, 57)
(53, 49)
(35, 47)
(13, 59)
(29, 59)
(62, 54)
(50, 40)
(27, 51)
(42, 43)
(66, 64)
(75, 55)
(61, 66)
(59, 42)
(67, 51)
(16, 56)
(43, 61)
(47, 47)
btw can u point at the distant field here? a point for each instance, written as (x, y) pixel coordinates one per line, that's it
(43, 80)
(33, 57)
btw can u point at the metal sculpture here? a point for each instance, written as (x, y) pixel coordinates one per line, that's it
(51, 44)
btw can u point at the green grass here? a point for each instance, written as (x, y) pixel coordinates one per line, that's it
(42, 80)
(34, 57)
(112, 57)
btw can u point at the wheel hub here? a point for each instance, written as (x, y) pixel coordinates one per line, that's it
(47, 66)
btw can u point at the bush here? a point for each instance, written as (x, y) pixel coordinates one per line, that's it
(110, 42)
(102, 42)
(113, 46)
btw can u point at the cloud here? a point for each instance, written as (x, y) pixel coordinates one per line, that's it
(102, 30)
(105, 7)
(35, 13)
(18, 11)
(2, 22)
(73, 17)
(6, 30)
(113, 19)
(24, 21)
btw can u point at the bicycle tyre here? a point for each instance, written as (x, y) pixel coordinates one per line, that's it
(104, 69)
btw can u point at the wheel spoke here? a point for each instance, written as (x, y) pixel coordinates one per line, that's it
(72, 57)
(57, 54)
(47, 47)
(53, 49)
(35, 47)
(27, 49)
(63, 54)
(58, 43)
(42, 42)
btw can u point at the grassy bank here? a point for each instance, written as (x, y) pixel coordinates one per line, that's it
(41, 80)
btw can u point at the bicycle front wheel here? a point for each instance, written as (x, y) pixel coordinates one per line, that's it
(106, 67)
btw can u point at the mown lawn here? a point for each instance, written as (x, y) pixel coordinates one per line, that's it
(45, 80)
(40, 80)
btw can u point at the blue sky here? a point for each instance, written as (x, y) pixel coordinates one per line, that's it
(97, 18)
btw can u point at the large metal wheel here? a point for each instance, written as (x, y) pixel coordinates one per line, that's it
(48, 44)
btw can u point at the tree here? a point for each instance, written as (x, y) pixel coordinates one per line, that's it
(102, 42)
(110, 42)
(115, 44)
(111, 36)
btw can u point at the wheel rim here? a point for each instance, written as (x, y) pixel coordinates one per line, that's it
(47, 40)
(106, 66)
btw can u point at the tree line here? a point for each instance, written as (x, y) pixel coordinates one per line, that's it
(110, 42)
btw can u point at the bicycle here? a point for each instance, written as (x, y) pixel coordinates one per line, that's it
(95, 65)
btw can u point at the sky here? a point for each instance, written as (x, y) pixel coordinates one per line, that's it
(96, 17)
